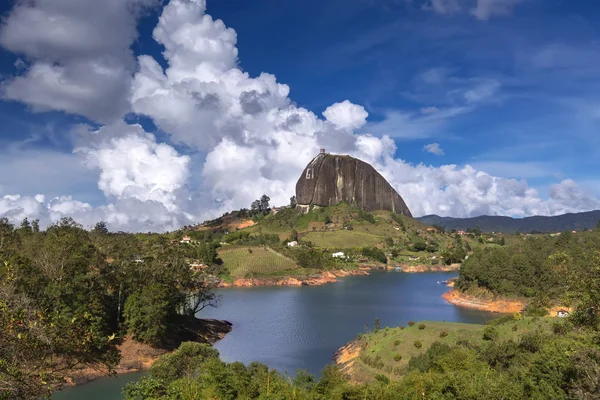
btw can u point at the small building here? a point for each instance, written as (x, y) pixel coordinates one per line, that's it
(413, 258)
(432, 230)
(185, 239)
(339, 254)
(293, 243)
(562, 313)
(461, 233)
(397, 228)
(198, 266)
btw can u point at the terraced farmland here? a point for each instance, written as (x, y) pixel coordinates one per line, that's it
(244, 261)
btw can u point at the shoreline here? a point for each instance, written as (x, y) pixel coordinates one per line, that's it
(313, 280)
(498, 305)
(492, 305)
(326, 277)
(136, 357)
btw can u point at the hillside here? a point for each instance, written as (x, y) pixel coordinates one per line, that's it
(488, 223)
(259, 245)
(388, 351)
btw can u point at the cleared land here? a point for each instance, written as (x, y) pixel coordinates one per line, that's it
(245, 261)
(385, 344)
(342, 239)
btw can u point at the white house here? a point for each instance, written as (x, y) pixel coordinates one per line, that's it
(562, 313)
(339, 254)
(185, 239)
(292, 243)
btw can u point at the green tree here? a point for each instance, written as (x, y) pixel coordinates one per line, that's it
(150, 313)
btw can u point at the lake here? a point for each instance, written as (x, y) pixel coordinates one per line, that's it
(289, 328)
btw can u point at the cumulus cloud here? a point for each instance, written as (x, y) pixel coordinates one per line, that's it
(434, 148)
(251, 138)
(78, 55)
(145, 183)
(346, 115)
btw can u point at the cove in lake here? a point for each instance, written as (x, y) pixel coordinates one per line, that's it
(291, 328)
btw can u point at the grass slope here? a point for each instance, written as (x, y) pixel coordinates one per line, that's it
(385, 344)
(245, 261)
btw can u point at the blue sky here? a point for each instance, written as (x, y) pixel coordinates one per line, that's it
(509, 87)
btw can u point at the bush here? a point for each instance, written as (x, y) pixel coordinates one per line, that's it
(396, 343)
(411, 323)
(514, 328)
(418, 344)
(532, 342)
(421, 327)
(443, 334)
(397, 357)
(560, 328)
(490, 333)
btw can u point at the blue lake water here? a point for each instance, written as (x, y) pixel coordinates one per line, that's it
(289, 328)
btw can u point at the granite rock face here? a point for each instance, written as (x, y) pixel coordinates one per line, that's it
(331, 179)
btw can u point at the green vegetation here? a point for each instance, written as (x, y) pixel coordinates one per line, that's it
(541, 268)
(530, 362)
(247, 261)
(69, 296)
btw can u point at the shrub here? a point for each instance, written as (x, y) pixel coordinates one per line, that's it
(532, 342)
(411, 323)
(401, 327)
(514, 328)
(377, 357)
(490, 333)
(397, 357)
(560, 328)
(396, 343)
(421, 327)
(443, 334)
(418, 344)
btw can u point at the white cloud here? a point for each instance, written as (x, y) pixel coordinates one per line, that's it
(488, 8)
(78, 52)
(483, 10)
(346, 115)
(434, 148)
(133, 165)
(442, 6)
(482, 91)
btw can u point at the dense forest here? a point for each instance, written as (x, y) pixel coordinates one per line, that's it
(542, 268)
(69, 296)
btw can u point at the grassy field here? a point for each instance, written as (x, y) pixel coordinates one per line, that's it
(244, 261)
(342, 239)
(385, 344)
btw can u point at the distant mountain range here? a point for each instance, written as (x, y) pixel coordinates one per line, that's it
(487, 223)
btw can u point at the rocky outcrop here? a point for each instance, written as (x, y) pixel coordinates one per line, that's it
(331, 179)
